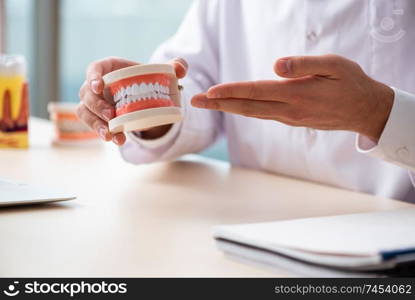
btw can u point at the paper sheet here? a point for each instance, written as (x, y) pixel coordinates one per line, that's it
(366, 234)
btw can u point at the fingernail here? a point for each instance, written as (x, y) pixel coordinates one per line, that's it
(284, 66)
(182, 62)
(107, 114)
(102, 133)
(116, 140)
(95, 85)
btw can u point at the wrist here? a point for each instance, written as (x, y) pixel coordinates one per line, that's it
(383, 96)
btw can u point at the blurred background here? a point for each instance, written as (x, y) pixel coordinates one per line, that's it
(59, 38)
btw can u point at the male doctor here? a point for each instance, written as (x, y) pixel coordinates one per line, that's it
(259, 73)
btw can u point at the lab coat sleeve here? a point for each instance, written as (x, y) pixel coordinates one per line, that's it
(397, 142)
(196, 42)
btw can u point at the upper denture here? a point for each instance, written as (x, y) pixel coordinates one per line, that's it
(142, 91)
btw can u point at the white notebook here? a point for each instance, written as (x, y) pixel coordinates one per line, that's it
(367, 241)
(16, 193)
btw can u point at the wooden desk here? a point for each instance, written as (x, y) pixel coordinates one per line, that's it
(149, 220)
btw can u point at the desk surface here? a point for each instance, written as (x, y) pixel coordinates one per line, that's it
(149, 220)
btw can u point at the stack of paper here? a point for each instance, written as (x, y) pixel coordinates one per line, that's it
(367, 241)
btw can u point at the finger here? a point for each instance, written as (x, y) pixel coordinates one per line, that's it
(299, 66)
(245, 107)
(97, 69)
(119, 138)
(96, 104)
(266, 90)
(180, 66)
(99, 126)
(93, 121)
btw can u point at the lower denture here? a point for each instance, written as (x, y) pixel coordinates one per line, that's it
(143, 104)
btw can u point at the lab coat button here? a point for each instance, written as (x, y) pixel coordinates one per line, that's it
(311, 132)
(402, 153)
(311, 35)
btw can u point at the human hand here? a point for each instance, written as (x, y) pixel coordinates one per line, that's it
(326, 92)
(95, 111)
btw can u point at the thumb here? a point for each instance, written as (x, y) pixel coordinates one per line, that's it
(99, 68)
(94, 77)
(300, 66)
(180, 67)
(97, 85)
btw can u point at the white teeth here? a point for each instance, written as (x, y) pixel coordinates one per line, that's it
(137, 92)
(147, 89)
(142, 88)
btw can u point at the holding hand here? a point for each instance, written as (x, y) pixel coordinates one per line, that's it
(323, 92)
(95, 111)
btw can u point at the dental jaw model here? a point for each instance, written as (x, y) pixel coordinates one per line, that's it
(145, 96)
(68, 129)
(14, 102)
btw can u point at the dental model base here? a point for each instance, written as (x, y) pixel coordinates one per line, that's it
(145, 96)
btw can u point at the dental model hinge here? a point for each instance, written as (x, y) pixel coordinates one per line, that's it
(180, 88)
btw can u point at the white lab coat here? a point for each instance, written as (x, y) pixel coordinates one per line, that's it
(233, 40)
